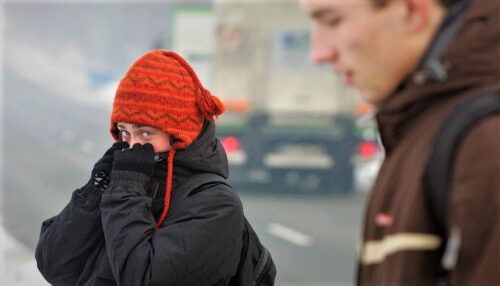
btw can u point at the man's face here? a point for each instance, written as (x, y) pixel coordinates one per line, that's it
(366, 45)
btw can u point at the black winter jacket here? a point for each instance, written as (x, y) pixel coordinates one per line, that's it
(110, 238)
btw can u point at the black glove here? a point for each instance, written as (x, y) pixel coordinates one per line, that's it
(102, 169)
(141, 158)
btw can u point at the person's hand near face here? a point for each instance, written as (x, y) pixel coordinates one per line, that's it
(102, 169)
(139, 158)
(144, 142)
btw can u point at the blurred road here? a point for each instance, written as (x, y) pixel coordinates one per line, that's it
(312, 239)
(51, 143)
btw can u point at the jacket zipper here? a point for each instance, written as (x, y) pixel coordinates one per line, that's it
(155, 190)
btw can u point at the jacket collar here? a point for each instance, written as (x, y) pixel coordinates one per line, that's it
(205, 155)
(431, 67)
(462, 57)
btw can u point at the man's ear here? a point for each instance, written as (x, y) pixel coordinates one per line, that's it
(417, 14)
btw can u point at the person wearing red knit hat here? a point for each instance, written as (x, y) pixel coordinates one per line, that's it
(127, 226)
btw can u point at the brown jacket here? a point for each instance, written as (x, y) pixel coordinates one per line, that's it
(400, 242)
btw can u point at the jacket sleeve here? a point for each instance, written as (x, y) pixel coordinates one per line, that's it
(199, 243)
(475, 205)
(67, 239)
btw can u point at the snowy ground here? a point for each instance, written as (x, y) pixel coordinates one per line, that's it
(17, 263)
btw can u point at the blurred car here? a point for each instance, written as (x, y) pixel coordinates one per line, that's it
(290, 153)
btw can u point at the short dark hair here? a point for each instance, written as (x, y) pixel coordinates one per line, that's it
(445, 3)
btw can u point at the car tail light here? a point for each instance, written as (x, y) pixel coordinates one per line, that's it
(231, 144)
(368, 149)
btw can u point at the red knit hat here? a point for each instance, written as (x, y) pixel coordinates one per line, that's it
(161, 90)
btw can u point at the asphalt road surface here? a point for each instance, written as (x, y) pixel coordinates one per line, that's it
(51, 143)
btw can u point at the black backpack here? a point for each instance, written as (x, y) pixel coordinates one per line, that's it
(256, 266)
(440, 164)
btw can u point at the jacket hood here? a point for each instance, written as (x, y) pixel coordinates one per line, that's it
(463, 58)
(204, 155)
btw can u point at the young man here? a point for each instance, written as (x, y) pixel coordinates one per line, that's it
(415, 61)
(128, 225)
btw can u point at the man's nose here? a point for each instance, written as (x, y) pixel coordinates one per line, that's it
(321, 49)
(134, 140)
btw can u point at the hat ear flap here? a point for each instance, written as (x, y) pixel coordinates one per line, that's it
(113, 129)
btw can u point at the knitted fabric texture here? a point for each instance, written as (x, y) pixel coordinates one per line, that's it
(161, 90)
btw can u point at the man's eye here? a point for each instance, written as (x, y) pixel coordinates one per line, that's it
(124, 133)
(332, 22)
(146, 133)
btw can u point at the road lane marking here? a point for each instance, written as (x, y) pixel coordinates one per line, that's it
(289, 234)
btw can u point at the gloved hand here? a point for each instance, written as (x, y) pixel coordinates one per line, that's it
(141, 158)
(102, 169)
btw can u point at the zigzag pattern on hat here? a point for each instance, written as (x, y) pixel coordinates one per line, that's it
(167, 70)
(159, 84)
(121, 112)
(133, 97)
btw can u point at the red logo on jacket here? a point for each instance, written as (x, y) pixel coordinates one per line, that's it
(383, 219)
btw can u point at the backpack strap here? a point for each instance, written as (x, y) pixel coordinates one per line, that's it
(440, 164)
(263, 261)
(446, 143)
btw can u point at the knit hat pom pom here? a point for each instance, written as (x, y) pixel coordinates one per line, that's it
(211, 106)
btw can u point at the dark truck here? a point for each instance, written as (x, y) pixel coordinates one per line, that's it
(290, 153)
